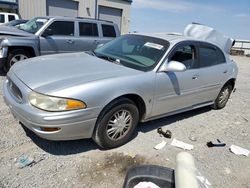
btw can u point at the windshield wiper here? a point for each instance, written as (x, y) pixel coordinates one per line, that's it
(111, 59)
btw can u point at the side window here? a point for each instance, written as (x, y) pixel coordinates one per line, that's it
(187, 55)
(65, 28)
(11, 17)
(1, 18)
(220, 56)
(108, 30)
(208, 56)
(88, 29)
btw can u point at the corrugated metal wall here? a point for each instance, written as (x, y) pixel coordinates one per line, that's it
(31, 8)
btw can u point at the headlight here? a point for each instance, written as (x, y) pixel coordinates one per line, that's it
(54, 104)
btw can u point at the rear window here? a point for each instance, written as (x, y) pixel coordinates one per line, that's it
(210, 56)
(1, 18)
(108, 30)
(11, 17)
(88, 29)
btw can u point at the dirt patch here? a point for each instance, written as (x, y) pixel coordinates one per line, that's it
(105, 169)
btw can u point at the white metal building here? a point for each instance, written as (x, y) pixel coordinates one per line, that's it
(117, 11)
(8, 6)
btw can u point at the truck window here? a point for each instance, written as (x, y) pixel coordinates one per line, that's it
(11, 17)
(65, 28)
(2, 18)
(108, 30)
(88, 29)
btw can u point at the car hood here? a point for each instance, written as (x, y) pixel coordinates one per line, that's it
(12, 31)
(46, 74)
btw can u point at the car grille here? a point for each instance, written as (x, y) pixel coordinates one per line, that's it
(15, 91)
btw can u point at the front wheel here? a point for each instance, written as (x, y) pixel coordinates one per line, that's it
(223, 97)
(15, 56)
(116, 124)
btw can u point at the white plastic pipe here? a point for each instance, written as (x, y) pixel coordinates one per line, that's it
(185, 171)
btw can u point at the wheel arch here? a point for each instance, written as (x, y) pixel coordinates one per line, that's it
(231, 82)
(135, 98)
(26, 48)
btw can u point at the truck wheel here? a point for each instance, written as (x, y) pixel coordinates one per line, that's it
(15, 56)
(116, 124)
(223, 97)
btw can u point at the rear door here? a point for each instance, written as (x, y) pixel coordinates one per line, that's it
(62, 39)
(88, 36)
(213, 71)
(108, 32)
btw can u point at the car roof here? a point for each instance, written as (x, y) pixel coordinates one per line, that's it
(174, 37)
(75, 19)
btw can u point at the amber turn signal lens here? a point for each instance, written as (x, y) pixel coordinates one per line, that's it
(74, 104)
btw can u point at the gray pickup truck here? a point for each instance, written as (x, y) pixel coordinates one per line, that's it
(49, 35)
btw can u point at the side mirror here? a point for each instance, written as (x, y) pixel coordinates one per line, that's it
(47, 32)
(173, 66)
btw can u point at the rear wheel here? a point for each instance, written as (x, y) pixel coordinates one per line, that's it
(15, 56)
(223, 97)
(116, 124)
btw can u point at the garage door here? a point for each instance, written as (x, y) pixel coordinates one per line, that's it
(110, 14)
(62, 8)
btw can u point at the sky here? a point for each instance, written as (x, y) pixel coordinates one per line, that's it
(230, 17)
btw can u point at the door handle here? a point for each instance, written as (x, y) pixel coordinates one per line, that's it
(96, 42)
(70, 41)
(195, 77)
(225, 71)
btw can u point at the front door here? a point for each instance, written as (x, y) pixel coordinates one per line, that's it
(60, 40)
(178, 90)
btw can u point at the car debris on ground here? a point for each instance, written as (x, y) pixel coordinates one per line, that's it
(24, 161)
(166, 134)
(219, 144)
(239, 150)
(160, 145)
(182, 145)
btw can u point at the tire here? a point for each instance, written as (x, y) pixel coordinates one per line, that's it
(15, 56)
(223, 97)
(116, 124)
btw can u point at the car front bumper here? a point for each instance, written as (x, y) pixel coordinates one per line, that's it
(71, 124)
(3, 56)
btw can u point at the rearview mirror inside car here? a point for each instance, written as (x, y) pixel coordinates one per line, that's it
(173, 66)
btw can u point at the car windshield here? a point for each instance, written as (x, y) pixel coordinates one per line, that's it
(134, 51)
(33, 25)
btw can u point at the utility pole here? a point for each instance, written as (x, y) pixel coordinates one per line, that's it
(96, 9)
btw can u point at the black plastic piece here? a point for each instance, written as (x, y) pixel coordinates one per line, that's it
(166, 134)
(161, 176)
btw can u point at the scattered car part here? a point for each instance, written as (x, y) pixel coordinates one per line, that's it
(211, 144)
(166, 134)
(182, 145)
(160, 145)
(239, 150)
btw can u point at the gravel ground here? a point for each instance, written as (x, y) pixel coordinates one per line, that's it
(82, 164)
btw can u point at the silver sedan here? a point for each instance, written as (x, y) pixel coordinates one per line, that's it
(105, 93)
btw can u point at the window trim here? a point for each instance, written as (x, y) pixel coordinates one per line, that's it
(84, 22)
(185, 43)
(104, 24)
(74, 24)
(209, 45)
